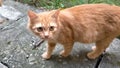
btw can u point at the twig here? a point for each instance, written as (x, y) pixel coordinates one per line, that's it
(37, 45)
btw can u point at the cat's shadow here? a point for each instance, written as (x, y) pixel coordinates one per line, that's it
(78, 53)
(74, 59)
(79, 56)
(75, 56)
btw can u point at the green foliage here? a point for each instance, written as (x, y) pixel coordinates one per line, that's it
(54, 4)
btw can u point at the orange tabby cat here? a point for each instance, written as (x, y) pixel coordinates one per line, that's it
(99, 23)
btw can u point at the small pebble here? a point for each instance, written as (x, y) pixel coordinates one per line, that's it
(31, 54)
(32, 60)
(27, 56)
(5, 58)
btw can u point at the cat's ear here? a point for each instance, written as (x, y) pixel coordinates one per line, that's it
(56, 13)
(31, 14)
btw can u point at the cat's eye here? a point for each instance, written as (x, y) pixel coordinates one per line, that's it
(51, 28)
(39, 29)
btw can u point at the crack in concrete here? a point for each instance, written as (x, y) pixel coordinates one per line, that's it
(99, 60)
(5, 64)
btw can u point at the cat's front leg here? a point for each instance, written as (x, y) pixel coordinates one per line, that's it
(67, 49)
(50, 47)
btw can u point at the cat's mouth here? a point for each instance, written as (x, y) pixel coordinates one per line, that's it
(46, 38)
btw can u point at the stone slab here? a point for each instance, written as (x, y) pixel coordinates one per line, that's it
(111, 58)
(16, 43)
(9, 12)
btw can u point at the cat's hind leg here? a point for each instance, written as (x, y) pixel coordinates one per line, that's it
(50, 48)
(100, 48)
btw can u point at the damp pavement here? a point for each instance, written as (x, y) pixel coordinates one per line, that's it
(16, 43)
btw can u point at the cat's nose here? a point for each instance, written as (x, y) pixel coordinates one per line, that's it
(46, 36)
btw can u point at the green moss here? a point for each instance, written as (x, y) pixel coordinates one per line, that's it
(54, 4)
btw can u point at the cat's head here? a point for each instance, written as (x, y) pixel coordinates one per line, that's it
(44, 24)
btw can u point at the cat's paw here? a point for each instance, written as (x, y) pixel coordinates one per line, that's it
(45, 56)
(63, 54)
(91, 56)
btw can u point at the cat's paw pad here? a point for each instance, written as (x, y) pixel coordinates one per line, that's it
(45, 56)
(93, 47)
(63, 54)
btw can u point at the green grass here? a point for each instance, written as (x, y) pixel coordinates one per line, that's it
(54, 4)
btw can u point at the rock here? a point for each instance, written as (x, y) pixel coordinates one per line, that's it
(2, 66)
(10, 12)
(112, 56)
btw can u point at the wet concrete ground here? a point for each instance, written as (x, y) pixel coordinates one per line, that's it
(16, 43)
